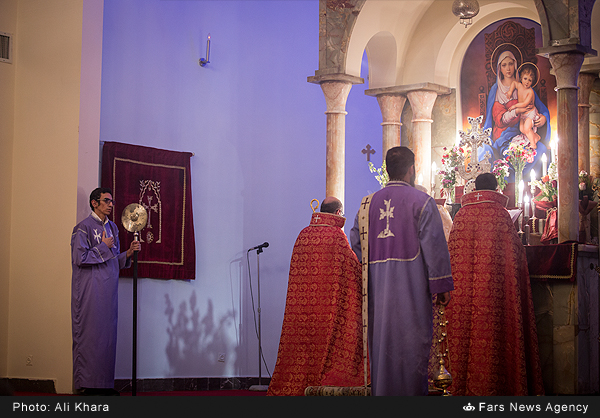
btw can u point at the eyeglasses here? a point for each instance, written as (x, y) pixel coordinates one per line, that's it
(107, 201)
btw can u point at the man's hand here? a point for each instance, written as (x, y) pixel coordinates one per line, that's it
(443, 298)
(109, 241)
(135, 246)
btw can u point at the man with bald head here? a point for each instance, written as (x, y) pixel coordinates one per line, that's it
(321, 335)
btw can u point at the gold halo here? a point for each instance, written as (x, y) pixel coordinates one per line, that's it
(537, 79)
(505, 47)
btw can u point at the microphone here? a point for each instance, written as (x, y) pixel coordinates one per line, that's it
(260, 247)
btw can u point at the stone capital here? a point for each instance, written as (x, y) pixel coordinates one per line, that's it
(391, 106)
(566, 68)
(421, 102)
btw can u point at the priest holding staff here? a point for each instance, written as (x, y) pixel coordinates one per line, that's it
(96, 260)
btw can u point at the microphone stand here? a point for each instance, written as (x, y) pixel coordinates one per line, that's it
(260, 387)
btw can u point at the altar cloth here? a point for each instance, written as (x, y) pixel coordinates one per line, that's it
(552, 262)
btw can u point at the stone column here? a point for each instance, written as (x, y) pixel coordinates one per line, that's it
(566, 66)
(336, 88)
(391, 105)
(583, 140)
(595, 133)
(422, 98)
(421, 102)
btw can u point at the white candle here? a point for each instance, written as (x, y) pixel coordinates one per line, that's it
(554, 150)
(544, 164)
(526, 206)
(208, 48)
(531, 185)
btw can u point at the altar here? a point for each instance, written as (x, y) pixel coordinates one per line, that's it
(565, 288)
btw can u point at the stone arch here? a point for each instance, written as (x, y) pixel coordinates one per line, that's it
(382, 56)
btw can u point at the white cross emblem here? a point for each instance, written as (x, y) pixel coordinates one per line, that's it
(388, 213)
(478, 195)
(97, 235)
(316, 218)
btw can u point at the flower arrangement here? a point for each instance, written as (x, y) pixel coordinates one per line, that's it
(451, 159)
(585, 185)
(382, 174)
(547, 185)
(518, 153)
(500, 170)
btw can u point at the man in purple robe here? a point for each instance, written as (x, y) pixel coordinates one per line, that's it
(96, 260)
(405, 251)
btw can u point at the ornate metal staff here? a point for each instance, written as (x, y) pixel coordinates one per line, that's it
(134, 219)
(442, 378)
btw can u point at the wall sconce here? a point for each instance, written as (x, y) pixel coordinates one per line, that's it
(204, 61)
(465, 10)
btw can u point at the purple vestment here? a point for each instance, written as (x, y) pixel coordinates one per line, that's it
(94, 302)
(408, 262)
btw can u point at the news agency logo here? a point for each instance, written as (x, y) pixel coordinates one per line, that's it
(468, 407)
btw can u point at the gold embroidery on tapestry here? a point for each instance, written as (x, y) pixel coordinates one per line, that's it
(114, 188)
(150, 189)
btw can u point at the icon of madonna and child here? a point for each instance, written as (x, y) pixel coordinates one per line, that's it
(514, 111)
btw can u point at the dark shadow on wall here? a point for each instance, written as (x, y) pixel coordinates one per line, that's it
(195, 342)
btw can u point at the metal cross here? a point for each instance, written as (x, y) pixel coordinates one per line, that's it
(368, 150)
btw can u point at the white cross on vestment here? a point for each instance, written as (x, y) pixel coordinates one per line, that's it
(97, 235)
(316, 218)
(478, 195)
(387, 214)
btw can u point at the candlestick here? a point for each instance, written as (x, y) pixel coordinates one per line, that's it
(204, 61)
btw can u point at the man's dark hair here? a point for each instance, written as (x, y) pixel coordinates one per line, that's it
(332, 206)
(486, 181)
(97, 193)
(397, 162)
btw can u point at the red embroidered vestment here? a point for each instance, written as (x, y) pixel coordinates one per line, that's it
(321, 337)
(492, 337)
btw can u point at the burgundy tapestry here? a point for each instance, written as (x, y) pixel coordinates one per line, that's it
(160, 181)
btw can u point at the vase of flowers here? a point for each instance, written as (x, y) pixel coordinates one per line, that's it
(517, 155)
(448, 173)
(585, 185)
(500, 170)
